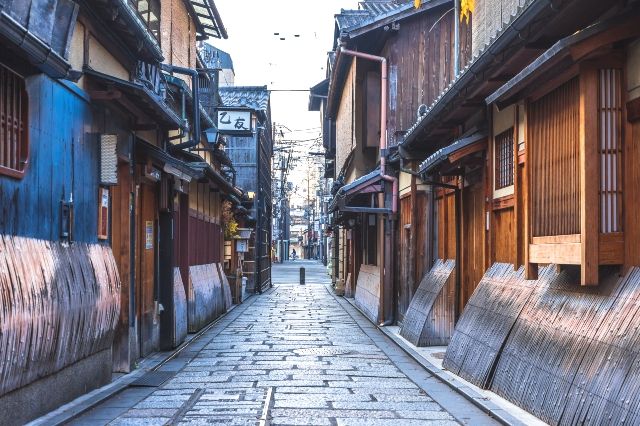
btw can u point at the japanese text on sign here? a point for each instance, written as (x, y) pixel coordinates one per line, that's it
(234, 121)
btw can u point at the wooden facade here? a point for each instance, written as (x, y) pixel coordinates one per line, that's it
(86, 189)
(544, 214)
(419, 51)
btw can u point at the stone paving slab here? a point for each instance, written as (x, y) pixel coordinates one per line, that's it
(319, 363)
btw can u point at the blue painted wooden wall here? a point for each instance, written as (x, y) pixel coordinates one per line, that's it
(63, 159)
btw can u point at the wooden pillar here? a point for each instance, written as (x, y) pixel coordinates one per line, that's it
(589, 176)
(530, 269)
(415, 279)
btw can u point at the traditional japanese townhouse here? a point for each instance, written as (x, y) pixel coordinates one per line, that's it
(86, 165)
(59, 283)
(536, 140)
(390, 59)
(245, 119)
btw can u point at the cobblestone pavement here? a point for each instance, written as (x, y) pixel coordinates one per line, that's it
(294, 355)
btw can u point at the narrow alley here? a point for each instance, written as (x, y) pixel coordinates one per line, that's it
(296, 354)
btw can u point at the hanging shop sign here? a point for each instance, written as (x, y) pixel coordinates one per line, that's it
(234, 121)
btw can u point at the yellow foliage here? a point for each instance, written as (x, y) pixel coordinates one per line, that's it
(466, 9)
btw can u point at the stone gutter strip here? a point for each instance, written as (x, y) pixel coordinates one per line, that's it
(480, 401)
(84, 403)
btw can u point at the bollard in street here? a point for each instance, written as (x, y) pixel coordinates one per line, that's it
(301, 275)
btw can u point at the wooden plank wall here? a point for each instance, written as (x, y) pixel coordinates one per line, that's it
(205, 238)
(446, 225)
(405, 281)
(504, 244)
(146, 291)
(632, 195)
(120, 242)
(553, 126)
(423, 264)
(421, 56)
(30, 206)
(60, 304)
(473, 240)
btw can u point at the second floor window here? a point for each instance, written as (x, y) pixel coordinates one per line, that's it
(14, 130)
(504, 159)
(149, 11)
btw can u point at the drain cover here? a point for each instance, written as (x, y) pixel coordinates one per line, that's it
(322, 351)
(153, 379)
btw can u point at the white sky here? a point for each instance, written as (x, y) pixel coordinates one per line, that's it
(260, 57)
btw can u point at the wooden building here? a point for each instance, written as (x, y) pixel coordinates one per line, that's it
(245, 119)
(531, 152)
(94, 178)
(416, 46)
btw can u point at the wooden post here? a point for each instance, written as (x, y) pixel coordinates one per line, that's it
(530, 269)
(589, 176)
(415, 279)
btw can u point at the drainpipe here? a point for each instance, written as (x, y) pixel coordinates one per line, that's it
(384, 74)
(383, 119)
(195, 92)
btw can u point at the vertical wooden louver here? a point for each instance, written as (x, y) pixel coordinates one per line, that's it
(554, 122)
(14, 135)
(610, 150)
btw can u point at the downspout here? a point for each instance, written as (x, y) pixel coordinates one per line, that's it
(384, 75)
(195, 93)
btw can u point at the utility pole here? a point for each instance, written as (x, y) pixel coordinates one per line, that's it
(281, 218)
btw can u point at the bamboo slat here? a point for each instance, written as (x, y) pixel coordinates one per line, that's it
(566, 353)
(58, 305)
(421, 325)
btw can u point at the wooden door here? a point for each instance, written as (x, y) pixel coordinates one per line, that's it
(472, 240)
(148, 329)
(405, 276)
(122, 252)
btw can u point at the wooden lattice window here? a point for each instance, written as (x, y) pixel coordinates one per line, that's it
(149, 11)
(14, 131)
(610, 149)
(504, 159)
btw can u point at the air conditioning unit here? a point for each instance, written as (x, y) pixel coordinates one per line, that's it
(108, 159)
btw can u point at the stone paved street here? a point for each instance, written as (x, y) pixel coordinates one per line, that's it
(294, 355)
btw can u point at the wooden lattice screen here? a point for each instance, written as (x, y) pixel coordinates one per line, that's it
(610, 150)
(504, 159)
(554, 122)
(14, 137)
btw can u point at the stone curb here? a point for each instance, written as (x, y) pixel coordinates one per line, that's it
(84, 403)
(487, 406)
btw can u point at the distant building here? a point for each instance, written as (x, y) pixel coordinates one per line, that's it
(219, 59)
(245, 120)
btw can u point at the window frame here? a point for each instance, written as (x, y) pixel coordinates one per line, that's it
(23, 145)
(509, 189)
(145, 16)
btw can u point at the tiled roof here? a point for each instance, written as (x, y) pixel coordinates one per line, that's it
(369, 11)
(254, 97)
(380, 7)
(351, 18)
